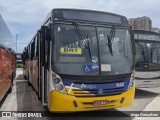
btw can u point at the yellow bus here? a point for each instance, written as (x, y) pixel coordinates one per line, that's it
(81, 60)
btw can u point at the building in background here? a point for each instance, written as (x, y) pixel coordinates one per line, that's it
(141, 23)
(5, 35)
(156, 29)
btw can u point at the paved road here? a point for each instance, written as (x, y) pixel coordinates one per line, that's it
(23, 98)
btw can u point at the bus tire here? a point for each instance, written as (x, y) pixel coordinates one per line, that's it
(29, 84)
(39, 98)
(9, 90)
(25, 77)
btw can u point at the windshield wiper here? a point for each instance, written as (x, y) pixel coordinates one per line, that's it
(81, 37)
(110, 39)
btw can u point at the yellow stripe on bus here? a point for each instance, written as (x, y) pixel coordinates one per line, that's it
(77, 51)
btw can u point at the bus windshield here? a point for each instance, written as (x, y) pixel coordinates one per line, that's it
(89, 50)
(147, 55)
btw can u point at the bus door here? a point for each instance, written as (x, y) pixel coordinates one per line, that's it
(44, 60)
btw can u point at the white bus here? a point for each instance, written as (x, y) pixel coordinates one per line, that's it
(147, 54)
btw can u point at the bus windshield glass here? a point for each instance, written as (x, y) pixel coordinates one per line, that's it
(147, 55)
(89, 50)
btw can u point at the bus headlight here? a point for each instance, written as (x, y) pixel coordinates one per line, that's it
(57, 83)
(131, 83)
(56, 80)
(59, 87)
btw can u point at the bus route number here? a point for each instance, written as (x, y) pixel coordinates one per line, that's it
(121, 84)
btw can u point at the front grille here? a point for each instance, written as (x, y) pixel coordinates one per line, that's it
(96, 92)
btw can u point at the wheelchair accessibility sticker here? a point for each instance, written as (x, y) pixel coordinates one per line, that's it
(90, 68)
(71, 51)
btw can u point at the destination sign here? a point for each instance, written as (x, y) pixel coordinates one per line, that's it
(89, 15)
(147, 37)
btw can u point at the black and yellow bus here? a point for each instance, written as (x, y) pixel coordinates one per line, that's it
(81, 60)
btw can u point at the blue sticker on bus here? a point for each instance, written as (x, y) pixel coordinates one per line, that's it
(90, 68)
(95, 66)
(87, 68)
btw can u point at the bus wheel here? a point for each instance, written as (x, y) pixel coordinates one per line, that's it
(39, 98)
(10, 90)
(25, 77)
(29, 84)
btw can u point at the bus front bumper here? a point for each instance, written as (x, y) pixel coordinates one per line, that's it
(66, 103)
(147, 83)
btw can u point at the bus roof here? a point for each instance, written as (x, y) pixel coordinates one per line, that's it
(7, 48)
(86, 15)
(146, 35)
(82, 15)
(2, 46)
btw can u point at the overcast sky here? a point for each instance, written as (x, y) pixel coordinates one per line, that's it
(24, 17)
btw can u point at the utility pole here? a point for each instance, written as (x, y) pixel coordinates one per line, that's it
(16, 41)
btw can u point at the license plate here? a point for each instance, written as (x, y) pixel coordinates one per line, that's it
(100, 103)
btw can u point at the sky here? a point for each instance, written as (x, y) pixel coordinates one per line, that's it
(24, 17)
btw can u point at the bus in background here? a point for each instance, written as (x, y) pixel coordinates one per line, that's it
(7, 70)
(81, 60)
(25, 60)
(7, 59)
(19, 62)
(18, 56)
(147, 56)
